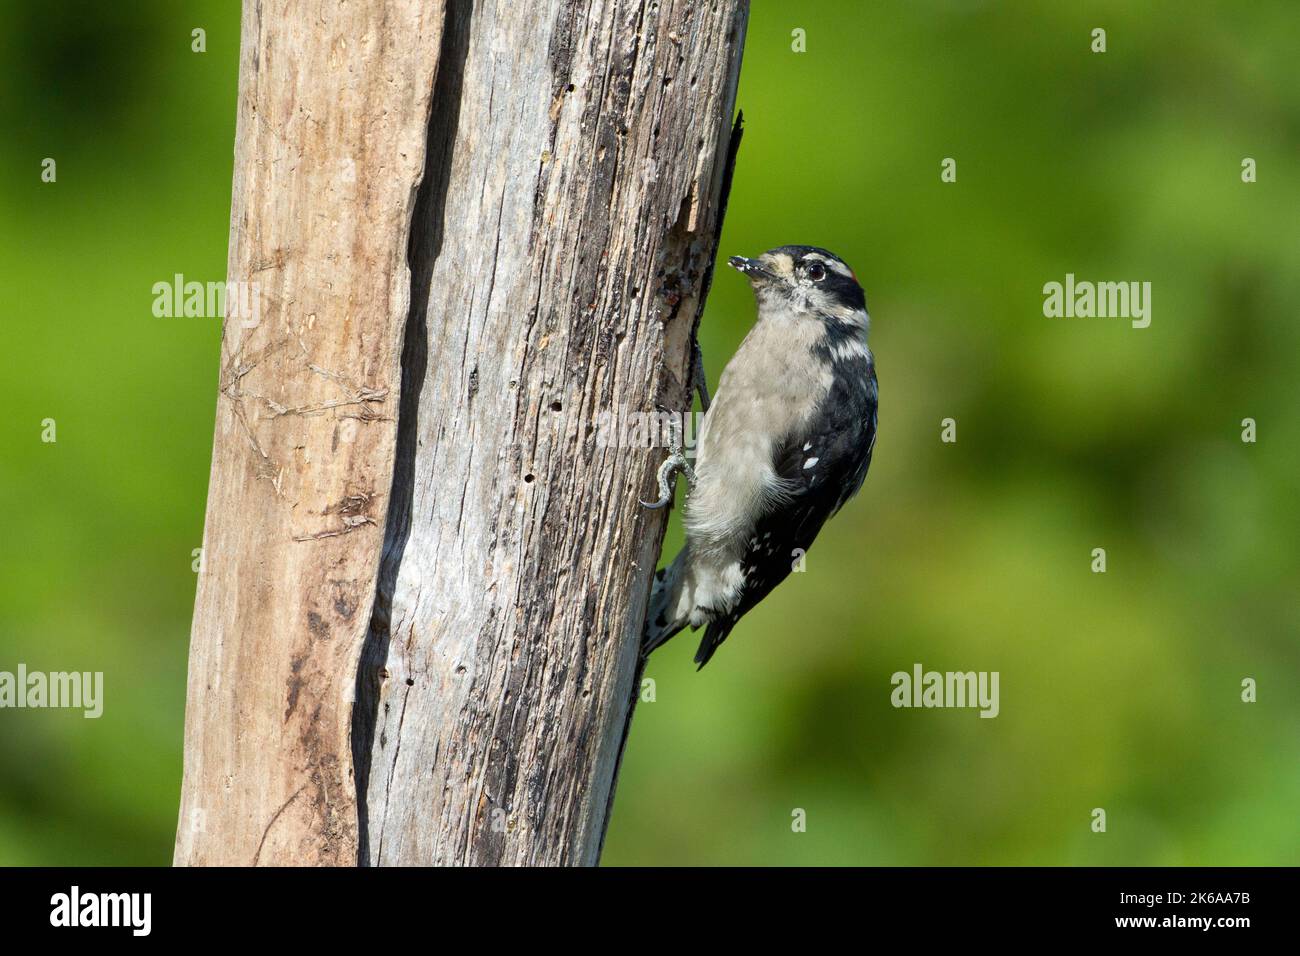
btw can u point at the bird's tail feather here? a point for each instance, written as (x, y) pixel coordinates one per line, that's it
(714, 635)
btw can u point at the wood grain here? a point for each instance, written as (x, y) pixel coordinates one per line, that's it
(472, 566)
(329, 149)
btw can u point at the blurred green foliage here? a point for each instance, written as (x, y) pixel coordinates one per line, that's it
(1119, 690)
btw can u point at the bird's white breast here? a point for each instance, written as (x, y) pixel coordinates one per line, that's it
(767, 392)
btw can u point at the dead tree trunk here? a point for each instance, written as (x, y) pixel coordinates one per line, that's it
(471, 229)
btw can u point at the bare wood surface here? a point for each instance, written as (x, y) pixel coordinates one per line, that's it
(509, 647)
(558, 248)
(329, 148)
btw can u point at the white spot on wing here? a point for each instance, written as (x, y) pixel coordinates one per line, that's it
(850, 348)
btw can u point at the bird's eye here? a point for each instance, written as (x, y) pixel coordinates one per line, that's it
(816, 271)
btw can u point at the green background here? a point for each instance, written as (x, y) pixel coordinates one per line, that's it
(1118, 690)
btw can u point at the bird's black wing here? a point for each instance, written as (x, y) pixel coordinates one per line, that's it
(823, 467)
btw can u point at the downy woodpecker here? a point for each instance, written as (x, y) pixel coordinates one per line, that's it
(784, 444)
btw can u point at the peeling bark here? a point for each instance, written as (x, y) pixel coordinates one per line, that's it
(408, 503)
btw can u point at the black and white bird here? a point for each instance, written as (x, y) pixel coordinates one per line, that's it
(786, 441)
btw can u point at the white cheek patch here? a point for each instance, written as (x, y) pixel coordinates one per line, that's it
(814, 297)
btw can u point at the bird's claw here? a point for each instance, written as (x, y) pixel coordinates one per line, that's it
(671, 465)
(676, 461)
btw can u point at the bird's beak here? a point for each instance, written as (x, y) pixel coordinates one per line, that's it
(751, 267)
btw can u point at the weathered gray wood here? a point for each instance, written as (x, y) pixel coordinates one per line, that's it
(329, 148)
(585, 160)
(431, 526)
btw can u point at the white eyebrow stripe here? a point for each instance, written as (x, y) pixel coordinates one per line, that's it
(835, 264)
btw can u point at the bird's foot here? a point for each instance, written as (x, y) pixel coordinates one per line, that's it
(671, 465)
(675, 462)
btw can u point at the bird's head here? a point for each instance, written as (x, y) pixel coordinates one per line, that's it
(806, 279)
